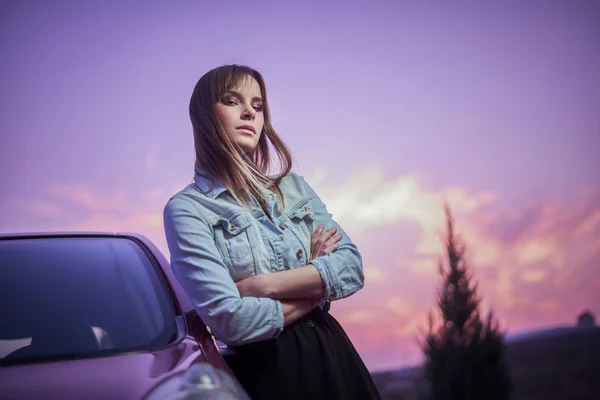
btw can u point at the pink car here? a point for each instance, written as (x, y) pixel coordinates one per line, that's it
(100, 316)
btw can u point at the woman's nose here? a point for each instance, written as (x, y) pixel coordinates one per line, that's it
(249, 113)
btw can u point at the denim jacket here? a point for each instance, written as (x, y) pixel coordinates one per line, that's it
(214, 242)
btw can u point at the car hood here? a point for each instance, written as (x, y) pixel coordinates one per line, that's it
(128, 376)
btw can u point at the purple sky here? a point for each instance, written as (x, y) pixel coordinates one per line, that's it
(385, 107)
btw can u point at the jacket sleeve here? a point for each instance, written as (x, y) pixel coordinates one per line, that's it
(342, 270)
(199, 267)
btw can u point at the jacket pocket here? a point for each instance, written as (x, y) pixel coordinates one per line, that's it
(300, 220)
(235, 244)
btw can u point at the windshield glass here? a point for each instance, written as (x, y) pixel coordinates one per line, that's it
(80, 296)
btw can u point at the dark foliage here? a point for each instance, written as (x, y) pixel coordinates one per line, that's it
(464, 353)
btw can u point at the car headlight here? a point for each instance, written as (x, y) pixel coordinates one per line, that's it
(200, 382)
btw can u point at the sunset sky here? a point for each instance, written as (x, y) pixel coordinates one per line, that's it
(388, 109)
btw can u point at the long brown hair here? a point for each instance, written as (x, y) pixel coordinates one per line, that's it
(242, 174)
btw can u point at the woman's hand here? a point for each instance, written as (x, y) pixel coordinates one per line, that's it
(323, 241)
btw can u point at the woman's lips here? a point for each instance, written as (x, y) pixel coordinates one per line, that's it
(247, 129)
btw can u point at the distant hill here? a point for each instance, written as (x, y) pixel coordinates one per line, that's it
(561, 363)
(541, 333)
(551, 364)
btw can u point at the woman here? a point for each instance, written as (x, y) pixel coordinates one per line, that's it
(259, 256)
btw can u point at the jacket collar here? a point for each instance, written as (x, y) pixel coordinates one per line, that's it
(208, 184)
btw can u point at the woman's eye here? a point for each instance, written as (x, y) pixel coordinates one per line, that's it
(258, 108)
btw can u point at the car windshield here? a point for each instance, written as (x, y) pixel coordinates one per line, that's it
(73, 297)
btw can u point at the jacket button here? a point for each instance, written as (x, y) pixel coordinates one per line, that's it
(232, 227)
(310, 323)
(332, 294)
(300, 253)
(282, 226)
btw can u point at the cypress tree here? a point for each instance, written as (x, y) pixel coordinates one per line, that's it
(464, 353)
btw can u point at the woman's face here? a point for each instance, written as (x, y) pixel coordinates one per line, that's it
(241, 114)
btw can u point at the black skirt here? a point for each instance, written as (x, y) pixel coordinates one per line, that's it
(313, 358)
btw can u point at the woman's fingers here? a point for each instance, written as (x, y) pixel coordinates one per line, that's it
(333, 243)
(322, 241)
(316, 235)
(325, 236)
(330, 249)
(333, 239)
(328, 234)
(314, 245)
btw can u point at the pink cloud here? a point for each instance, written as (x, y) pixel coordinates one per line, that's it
(528, 261)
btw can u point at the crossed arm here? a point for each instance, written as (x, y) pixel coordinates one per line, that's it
(298, 288)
